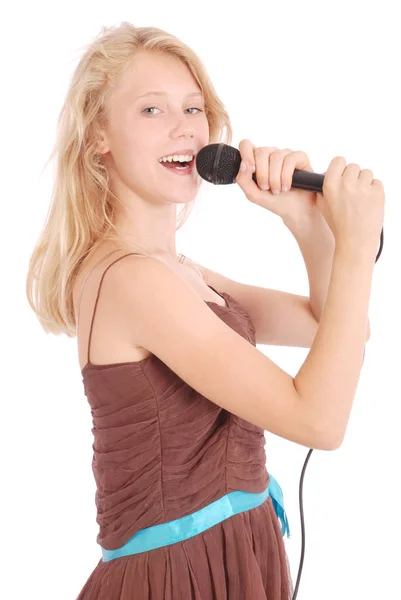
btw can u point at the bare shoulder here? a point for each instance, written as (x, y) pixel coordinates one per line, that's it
(168, 317)
(90, 267)
(96, 309)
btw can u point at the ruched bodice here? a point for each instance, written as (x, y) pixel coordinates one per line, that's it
(161, 451)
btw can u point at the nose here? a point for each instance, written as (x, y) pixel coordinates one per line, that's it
(183, 127)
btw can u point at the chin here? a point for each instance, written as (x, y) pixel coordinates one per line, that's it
(184, 199)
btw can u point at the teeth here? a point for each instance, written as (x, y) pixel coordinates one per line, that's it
(177, 157)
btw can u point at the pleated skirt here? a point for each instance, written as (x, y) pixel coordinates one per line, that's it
(241, 558)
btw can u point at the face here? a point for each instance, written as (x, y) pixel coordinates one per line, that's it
(142, 130)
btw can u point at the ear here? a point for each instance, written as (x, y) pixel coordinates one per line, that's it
(102, 144)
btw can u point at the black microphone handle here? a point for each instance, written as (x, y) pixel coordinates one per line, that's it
(303, 180)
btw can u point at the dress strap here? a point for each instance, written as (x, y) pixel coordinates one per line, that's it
(98, 291)
(83, 285)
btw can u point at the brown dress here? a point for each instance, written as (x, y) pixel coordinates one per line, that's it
(162, 451)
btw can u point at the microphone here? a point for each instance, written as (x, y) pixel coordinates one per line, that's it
(219, 164)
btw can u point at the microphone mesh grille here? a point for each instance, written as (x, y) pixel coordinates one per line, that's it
(225, 171)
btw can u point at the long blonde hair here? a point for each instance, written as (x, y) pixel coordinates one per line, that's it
(83, 208)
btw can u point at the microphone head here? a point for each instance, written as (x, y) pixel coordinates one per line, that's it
(218, 163)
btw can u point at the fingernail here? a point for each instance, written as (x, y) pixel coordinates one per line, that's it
(265, 186)
(243, 166)
(285, 188)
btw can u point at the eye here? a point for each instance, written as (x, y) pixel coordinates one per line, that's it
(194, 108)
(150, 107)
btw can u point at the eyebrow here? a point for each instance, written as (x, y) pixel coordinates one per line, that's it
(158, 93)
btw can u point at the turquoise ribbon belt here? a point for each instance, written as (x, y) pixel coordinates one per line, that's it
(186, 527)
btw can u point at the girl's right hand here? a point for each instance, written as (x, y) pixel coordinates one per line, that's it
(352, 204)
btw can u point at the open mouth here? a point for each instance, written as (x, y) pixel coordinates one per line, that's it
(179, 167)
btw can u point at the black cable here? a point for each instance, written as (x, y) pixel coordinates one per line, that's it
(301, 505)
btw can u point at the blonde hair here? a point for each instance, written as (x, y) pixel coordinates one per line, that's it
(82, 212)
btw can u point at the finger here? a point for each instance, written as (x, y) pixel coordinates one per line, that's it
(334, 171)
(276, 168)
(351, 172)
(246, 151)
(293, 160)
(366, 176)
(262, 162)
(245, 181)
(244, 178)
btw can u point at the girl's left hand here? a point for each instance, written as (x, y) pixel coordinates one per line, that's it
(275, 168)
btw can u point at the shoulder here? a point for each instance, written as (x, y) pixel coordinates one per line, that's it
(201, 271)
(140, 277)
(91, 271)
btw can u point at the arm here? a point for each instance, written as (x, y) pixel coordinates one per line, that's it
(317, 245)
(328, 378)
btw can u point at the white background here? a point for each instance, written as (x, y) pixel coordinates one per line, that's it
(322, 77)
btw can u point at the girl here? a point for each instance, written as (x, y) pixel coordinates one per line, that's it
(179, 394)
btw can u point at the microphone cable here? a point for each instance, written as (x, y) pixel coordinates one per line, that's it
(303, 474)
